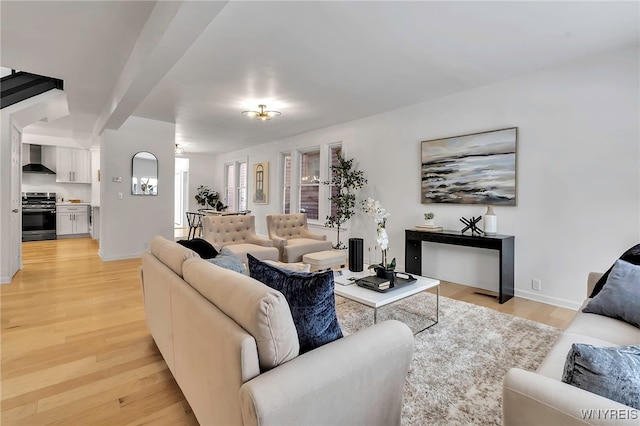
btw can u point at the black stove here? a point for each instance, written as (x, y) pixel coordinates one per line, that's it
(38, 216)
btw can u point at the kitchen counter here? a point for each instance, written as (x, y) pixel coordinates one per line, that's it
(73, 204)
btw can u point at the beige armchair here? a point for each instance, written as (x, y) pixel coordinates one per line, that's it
(238, 234)
(291, 236)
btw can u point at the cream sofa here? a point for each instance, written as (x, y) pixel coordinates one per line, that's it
(291, 236)
(231, 344)
(541, 398)
(238, 234)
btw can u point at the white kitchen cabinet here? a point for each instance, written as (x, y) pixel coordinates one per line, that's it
(72, 220)
(73, 165)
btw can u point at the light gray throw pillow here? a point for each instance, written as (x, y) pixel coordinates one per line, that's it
(620, 296)
(227, 259)
(613, 373)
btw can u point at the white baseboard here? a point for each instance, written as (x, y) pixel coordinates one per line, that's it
(5, 280)
(119, 257)
(563, 303)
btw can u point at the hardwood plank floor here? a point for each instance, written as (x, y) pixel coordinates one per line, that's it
(76, 349)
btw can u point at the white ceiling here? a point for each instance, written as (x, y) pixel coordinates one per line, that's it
(86, 44)
(319, 63)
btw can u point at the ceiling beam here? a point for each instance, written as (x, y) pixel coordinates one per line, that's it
(171, 29)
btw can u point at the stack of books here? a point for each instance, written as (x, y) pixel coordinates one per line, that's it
(374, 282)
(430, 228)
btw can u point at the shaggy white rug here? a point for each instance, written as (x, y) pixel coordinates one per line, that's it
(458, 365)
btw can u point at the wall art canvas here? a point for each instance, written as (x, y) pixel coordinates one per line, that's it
(479, 168)
(261, 183)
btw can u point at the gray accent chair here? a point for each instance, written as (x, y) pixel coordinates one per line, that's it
(238, 234)
(291, 236)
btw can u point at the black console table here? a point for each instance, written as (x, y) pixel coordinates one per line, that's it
(503, 243)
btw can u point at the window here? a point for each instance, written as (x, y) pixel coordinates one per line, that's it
(306, 170)
(230, 186)
(310, 183)
(286, 183)
(236, 186)
(242, 187)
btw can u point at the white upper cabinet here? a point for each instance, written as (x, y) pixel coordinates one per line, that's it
(73, 165)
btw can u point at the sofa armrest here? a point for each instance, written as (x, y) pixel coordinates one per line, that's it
(592, 279)
(356, 380)
(305, 233)
(261, 241)
(279, 242)
(529, 398)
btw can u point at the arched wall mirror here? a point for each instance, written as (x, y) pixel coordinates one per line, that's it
(144, 174)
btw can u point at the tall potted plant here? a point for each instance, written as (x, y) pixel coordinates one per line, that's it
(345, 180)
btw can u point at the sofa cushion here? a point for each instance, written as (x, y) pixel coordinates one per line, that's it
(632, 256)
(203, 247)
(611, 372)
(605, 328)
(310, 297)
(170, 253)
(262, 311)
(227, 259)
(263, 253)
(620, 296)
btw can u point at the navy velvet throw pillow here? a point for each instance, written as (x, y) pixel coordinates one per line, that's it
(311, 300)
(200, 246)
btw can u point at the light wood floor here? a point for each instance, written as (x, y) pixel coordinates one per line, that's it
(76, 349)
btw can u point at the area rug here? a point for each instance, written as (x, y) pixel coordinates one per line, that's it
(458, 365)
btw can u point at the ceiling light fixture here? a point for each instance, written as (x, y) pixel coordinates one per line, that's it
(178, 150)
(262, 114)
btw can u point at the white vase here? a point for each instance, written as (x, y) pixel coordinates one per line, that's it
(490, 222)
(429, 222)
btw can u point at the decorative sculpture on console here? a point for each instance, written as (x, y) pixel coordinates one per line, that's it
(472, 224)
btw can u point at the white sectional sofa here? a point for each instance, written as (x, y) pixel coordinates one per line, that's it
(541, 398)
(231, 344)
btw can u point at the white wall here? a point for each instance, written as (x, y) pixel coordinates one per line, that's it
(36, 182)
(578, 172)
(203, 170)
(127, 225)
(95, 170)
(52, 105)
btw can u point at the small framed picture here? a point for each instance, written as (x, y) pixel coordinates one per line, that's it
(261, 183)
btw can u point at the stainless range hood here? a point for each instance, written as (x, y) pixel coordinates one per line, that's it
(35, 162)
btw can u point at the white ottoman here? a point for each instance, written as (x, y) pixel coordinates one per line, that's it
(327, 259)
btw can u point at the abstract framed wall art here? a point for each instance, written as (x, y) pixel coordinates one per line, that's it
(479, 168)
(261, 183)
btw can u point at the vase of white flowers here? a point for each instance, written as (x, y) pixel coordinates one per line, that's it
(372, 208)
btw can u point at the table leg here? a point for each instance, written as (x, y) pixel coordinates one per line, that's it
(413, 257)
(506, 271)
